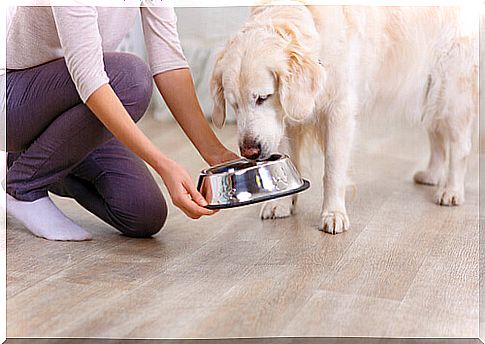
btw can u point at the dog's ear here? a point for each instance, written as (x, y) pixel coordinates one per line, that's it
(300, 84)
(217, 93)
(303, 75)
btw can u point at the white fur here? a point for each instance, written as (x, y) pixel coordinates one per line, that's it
(327, 66)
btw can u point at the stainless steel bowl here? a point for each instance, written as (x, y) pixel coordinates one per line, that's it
(242, 182)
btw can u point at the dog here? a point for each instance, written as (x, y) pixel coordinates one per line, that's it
(296, 69)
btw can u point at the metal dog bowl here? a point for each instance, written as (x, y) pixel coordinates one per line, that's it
(243, 181)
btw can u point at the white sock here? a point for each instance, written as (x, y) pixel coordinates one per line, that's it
(45, 220)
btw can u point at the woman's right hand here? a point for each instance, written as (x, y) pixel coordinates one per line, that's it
(183, 192)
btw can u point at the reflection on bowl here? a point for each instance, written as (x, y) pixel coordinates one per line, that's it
(241, 182)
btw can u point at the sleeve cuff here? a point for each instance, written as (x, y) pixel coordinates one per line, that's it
(87, 89)
(168, 67)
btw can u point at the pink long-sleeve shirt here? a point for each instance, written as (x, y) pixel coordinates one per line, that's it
(81, 34)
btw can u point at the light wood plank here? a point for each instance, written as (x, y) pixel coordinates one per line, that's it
(261, 304)
(445, 302)
(385, 258)
(233, 274)
(335, 314)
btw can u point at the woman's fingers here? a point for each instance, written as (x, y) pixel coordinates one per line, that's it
(195, 194)
(191, 201)
(182, 205)
(191, 208)
(199, 198)
(183, 192)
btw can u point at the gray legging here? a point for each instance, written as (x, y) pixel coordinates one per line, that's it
(55, 143)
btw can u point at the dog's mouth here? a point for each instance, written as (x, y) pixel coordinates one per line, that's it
(256, 150)
(267, 153)
(262, 156)
(271, 157)
(267, 157)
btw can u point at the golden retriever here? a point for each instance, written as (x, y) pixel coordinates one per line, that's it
(294, 69)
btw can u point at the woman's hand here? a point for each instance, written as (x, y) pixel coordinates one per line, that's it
(223, 156)
(182, 190)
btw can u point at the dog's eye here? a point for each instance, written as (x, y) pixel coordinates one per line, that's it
(261, 99)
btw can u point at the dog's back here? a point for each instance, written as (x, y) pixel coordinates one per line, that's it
(401, 59)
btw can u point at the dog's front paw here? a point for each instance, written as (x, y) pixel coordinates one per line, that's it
(334, 222)
(449, 197)
(277, 209)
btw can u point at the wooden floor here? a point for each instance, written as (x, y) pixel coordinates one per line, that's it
(407, 268)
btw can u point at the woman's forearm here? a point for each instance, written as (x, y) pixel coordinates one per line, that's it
(177, 89)
(107, 107)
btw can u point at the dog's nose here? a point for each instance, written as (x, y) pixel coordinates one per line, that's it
(251, 151)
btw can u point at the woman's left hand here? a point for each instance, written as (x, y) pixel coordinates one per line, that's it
(223, 156)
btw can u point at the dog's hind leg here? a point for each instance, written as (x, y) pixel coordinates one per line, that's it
(453, 191)
(459, 102)
(437, 162)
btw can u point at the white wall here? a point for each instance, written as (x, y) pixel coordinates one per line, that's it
(210, 23)
(482, 84)
(203, 32)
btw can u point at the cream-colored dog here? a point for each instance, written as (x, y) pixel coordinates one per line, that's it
(295, 69)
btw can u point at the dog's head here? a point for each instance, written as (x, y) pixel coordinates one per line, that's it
(270, 74)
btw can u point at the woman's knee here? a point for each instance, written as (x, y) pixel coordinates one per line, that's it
(131, 80)
(146, 216)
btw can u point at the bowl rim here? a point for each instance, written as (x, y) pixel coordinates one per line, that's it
(305, 185)
(204, 172)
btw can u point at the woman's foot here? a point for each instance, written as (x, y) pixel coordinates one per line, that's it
(45, 220)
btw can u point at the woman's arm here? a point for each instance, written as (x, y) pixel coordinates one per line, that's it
(174, 81)
(177, 89)
(107, 107)
(77, 28)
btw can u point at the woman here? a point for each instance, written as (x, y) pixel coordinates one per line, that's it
(72, 104)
